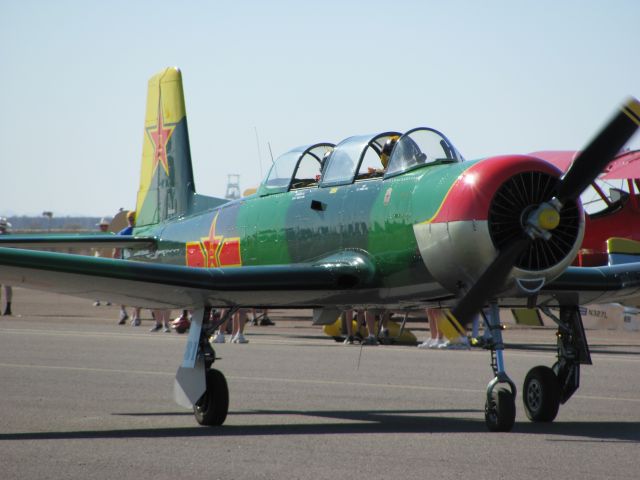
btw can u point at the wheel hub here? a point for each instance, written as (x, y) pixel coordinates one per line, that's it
(534, 395)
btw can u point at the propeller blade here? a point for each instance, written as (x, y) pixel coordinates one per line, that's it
(602, 149)
(489, 282)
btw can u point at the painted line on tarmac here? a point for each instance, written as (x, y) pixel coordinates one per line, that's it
(143, 333)
(84, 369)
(75, 333)
(411, 387)
(356, 384)
(273, 339)
(244, 379)
(300, 381)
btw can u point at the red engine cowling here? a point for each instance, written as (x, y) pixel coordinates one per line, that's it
(485, 210)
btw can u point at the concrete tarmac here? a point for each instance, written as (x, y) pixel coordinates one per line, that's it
(84, 398)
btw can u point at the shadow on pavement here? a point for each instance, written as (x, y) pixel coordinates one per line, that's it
(355, 422)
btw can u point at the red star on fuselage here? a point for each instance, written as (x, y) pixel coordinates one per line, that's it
(160, 135)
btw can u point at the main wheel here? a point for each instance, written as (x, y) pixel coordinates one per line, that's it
(541, 394)
(213, 405)
(500, 412)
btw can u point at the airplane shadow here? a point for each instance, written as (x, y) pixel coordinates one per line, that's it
(349, 422)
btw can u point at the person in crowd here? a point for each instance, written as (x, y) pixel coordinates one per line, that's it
(103, 226)
(348, 319)
(161, 316)
(118, 253)
(262, 320)
(239, 319)
(370, 315)
(5, 228)
(436, 339)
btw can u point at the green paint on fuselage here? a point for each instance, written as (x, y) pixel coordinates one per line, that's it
(375, 215)
(263, 226)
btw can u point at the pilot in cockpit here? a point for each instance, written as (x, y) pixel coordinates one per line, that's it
(385, 154)
(323, 164)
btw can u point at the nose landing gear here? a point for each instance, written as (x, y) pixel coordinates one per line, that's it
(500, 406)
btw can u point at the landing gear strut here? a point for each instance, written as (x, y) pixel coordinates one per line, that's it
(500, 407)
(198, 385)
(546, 388)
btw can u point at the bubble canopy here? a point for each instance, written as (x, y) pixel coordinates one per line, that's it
(419, 147)
(358, 158)
(298, 168)
(345, 162)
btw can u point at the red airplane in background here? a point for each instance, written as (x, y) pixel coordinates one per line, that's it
(609, 215)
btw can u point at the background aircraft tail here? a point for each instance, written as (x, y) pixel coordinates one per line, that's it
(623, 250)
(167, 188)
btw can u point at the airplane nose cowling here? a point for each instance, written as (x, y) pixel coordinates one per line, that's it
(485, 210)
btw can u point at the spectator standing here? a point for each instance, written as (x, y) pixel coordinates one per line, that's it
(103, 226)
(118, 253)
(437, 338)
(5, 228)
(162, 320)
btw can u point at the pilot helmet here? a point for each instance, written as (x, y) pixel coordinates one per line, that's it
(325, 159)
(387, 148)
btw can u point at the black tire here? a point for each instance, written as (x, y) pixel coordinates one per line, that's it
(500, 412)
(212, 407)
(541, 394)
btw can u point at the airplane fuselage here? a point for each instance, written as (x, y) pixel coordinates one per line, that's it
(397, 222)
(375, 217)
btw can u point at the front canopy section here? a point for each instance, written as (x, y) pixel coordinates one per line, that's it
(298, 168)
(358, 158)
(419, 147)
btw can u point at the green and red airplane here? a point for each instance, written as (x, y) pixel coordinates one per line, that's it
(390, 220)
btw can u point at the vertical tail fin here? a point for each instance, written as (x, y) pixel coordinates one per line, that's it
(166, 181)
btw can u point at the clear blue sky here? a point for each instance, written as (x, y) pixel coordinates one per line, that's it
(494, 76)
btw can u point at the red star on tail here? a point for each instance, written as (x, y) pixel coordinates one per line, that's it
(160, 137)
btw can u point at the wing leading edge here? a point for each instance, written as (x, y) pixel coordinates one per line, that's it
(76, 241)
(175, 286)
(585, 285)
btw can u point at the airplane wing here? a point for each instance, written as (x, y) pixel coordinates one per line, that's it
(562, 159)
(176, 286)
(605, 284)
(626, 165)
(153, 285)
(53, 241)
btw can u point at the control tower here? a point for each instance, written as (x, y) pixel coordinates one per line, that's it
(233, 187)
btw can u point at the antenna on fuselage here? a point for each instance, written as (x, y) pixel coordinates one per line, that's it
(270, 152)
(259, 152)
